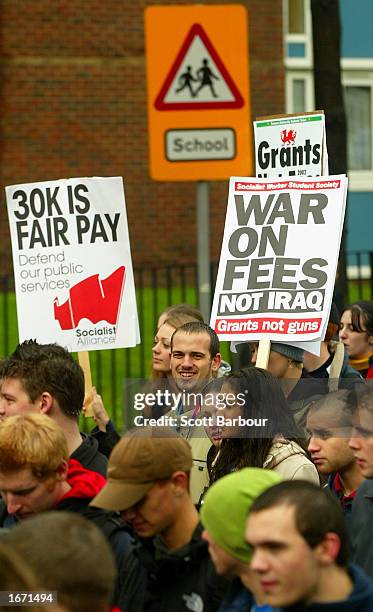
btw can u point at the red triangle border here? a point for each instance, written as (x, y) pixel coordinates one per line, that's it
(161, 105)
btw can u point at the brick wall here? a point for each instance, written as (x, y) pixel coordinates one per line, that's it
(73, 103)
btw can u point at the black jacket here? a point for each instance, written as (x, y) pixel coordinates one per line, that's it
(361, 527)
(157, 580)
(106, 439)
(89, 455)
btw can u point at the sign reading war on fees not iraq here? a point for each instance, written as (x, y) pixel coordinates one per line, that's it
(72, 263)
(278, 259)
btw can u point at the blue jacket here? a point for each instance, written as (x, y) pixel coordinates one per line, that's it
(360, 600)
(237, 599)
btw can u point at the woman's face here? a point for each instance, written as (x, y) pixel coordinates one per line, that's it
(233, 408)
(357, 344)
(162, 347)
(212, 410)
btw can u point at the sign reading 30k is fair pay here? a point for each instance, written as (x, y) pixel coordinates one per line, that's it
(279, 258)
(72, 263)
(198, 91)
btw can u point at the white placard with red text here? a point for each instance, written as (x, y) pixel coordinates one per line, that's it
(72, 263)
(279, 258)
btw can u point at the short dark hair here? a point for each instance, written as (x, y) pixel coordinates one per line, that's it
(364, 396)
(317, 512)
(342, 402)
(47, 367)
(197, 327)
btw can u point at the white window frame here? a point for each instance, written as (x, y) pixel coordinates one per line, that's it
(307, 77)
(306, 38)
(358, 73)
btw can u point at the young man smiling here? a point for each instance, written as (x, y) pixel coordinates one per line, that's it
(195, 356)
(195, 360)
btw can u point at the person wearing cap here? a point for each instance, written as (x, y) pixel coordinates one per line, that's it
(332, 363)
(300, 389)
(169, 567)
(224, 515)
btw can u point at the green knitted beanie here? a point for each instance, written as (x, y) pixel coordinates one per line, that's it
(227, 504)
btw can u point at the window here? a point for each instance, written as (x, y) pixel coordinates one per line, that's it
(299, 95)
(298, 33)
(296, 20)
(299, 92)
(358, 106)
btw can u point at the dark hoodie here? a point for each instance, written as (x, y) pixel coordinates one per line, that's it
(89, 455)
(360, 600)
(156, 579)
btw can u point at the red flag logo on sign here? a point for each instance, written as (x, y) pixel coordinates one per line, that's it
(92, 299)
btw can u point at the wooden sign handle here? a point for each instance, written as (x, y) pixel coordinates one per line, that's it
(264, 349)
(83, 358)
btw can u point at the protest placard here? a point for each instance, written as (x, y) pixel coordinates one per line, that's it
(291, 145)
(72, 263)
(278, 259)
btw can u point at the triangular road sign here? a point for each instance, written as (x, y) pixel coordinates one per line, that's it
(198, 78)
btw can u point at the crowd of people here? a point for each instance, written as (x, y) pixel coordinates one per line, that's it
(251, 491)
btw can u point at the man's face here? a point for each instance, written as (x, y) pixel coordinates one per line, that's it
(361, 441)
(154, 513)
(25, 495)
(191, 363)
(329, 442)
(225, 564)
(287, 568)
(14, 399)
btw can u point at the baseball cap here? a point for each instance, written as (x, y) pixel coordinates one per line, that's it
(292, 352)
(140, 458)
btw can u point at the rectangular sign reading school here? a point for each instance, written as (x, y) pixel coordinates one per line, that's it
(72, 263)
(198, 91)
(279, 257)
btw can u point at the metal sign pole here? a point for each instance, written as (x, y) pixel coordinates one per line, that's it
(203, 249)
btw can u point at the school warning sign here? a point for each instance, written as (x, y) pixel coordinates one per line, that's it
(279, 257)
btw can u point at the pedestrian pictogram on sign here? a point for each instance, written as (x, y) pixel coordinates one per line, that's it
(198, 91)
(198, 78)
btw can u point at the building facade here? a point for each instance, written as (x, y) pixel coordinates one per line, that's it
(74, 103)
(357, 80)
